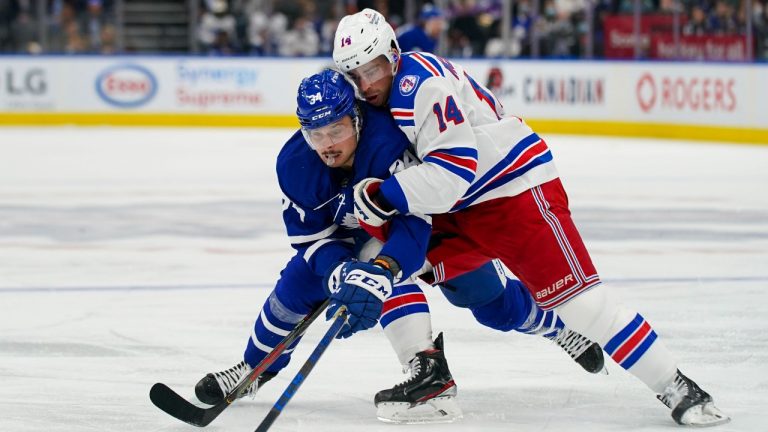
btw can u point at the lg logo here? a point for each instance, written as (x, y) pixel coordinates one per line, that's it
(27, 82)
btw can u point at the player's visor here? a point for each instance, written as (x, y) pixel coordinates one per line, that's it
(328, 135)
(371, 72)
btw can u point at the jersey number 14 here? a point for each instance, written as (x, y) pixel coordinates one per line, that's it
(452, 114)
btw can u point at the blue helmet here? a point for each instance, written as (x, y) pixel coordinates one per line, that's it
(324, 98)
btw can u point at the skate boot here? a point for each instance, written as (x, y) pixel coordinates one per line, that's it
(213, 387)
(691, 406)
(588, 354)
(428, 396)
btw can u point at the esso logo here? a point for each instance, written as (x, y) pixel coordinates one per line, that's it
(126, 86)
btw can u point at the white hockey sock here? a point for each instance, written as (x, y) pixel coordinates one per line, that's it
(410, 334)
(624, 335)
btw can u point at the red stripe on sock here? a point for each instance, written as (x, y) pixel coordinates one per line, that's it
(396, 302)
(632, 342)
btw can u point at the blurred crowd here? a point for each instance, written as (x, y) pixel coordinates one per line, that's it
(470, 28)
(68, 26)
(462, 28)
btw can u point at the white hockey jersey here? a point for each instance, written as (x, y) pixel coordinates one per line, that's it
(471, 151)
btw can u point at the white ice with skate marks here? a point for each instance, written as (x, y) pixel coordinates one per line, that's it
(131, 256)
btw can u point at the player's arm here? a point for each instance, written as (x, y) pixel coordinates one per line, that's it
(446, 144)
(314, 235)
(405, 241)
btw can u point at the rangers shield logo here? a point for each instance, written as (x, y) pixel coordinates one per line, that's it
(408, 84)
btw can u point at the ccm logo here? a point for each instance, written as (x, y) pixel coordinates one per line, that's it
(321, 115)
(554, 287)
(363, 281)
(126, 86)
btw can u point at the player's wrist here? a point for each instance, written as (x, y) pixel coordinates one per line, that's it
(381, 201)
(387, 263)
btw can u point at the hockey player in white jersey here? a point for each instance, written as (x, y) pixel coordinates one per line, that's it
(342, 142)
(490, 180)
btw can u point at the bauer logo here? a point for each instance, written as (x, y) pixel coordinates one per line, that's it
(126, 85)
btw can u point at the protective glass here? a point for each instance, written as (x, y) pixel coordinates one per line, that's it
(328, 135)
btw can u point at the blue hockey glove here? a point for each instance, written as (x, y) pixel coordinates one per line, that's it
(362, 287)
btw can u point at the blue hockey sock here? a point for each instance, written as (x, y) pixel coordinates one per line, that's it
(539, 322)
(274, 322)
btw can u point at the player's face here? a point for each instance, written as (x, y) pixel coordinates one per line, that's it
(374, 80)
(334, 143)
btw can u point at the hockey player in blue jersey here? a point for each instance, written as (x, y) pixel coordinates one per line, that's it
(341, 142)
(490, 180)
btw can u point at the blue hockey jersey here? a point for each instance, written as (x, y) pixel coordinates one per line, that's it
(317, 202)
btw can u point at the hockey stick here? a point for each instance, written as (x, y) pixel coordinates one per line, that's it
(175, 405)
(339, 320)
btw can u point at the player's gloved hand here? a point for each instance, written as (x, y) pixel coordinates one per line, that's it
(362, 288)
(371, 209)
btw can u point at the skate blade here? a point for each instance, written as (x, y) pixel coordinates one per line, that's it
(436, 410)
(706, 415)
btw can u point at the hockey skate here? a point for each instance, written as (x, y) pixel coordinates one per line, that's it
(212, 388)
(691, 406)
(428, 396)
(588, 354)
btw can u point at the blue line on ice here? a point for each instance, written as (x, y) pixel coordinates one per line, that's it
(264, 285)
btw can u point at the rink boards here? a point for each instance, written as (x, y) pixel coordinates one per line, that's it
(713, 101)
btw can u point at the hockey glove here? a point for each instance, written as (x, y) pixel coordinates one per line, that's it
(362, 288)
(371, 209)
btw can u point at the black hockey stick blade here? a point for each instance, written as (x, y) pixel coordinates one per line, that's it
(339, 320)
(176, 406)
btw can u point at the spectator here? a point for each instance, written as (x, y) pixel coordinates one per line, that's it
(222, 45)
(760, 21)
(327, 30)
(465, 20)
(667, 7)
(425, 34)
(574, 7)
(723, 21)
(557, 32)
(108, 40)
(458, 44)
(73, 41)
(278, 27)
(300, 40)
(217, 19)
(24, 29)
(496, 47)
(258, 32)
(698, 24)
(8, 12)
(92, 22)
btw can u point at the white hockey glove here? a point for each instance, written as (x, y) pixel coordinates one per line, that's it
(362, 288)
(368, 210)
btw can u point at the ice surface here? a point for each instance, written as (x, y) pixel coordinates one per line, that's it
(131, 256)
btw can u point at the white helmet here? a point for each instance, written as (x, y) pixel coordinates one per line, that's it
(362, 37)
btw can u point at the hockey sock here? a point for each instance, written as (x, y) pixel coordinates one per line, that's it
(514, 309)
(624, 335)
(274, 322)
(539, 322)
(407, 322)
